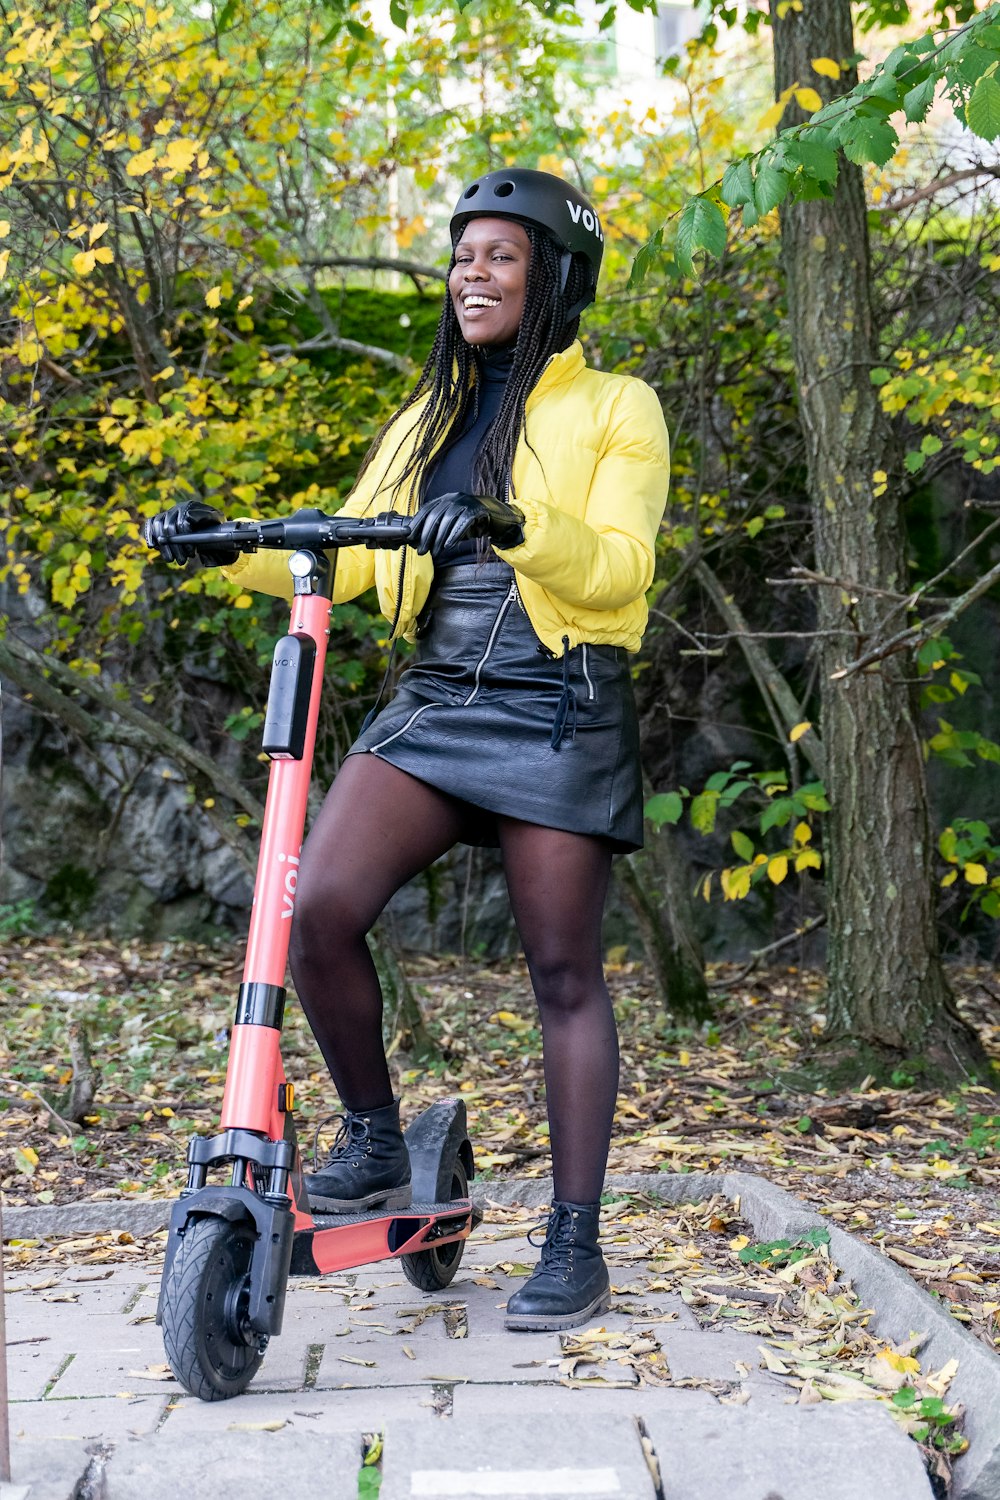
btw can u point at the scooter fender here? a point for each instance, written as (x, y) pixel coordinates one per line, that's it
(274, 1224)
(435, 1140)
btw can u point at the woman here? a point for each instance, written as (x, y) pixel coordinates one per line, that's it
(515, 723)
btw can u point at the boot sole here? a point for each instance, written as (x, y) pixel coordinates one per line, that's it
(541, 1323)
(387, 1198)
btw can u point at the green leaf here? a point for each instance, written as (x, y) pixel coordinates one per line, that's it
(913, 462)
(665, 807)
(815, 155)
(226, 15)
(744, 847)
(904, 1398)
(777, 814)
(701, 227)
(770, 188)
(754, 525)
(982, 113)
(369, 1484)
(869, 140)
(703, 809)
(880, 376)
(645, 258)
(919, 99)
(931, 443)
(973, 63)
(397, 14)
(737, 183)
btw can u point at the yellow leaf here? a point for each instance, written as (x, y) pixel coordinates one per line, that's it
(799, 730)
(771, 117)
(141, 163)
(4, 258)
(808, 99)
(740, 1242)
(180, 154)
(243, 601)
(803, 833)
(826, 67)
(950, 878)
(684, 1058)
(213, 296)
(975, 874)
(777, 869)
(96, 231)
(903, 1364)
(83, 262)
(103, 254)
(809, 859)
(31, 1154)
(4, 228)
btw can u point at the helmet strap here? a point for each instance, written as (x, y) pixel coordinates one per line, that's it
(565, 261)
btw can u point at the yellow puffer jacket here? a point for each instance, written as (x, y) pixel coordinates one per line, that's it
(590, 474)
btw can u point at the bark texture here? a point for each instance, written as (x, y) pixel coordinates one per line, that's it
(888, 997)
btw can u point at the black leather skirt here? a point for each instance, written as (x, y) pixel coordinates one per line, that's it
(486, 713)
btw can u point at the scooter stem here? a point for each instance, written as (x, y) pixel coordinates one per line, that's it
(255, 1071)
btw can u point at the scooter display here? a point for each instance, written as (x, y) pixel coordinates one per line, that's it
(243, 1224)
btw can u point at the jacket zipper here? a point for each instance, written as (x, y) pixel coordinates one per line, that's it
(586, 671)
(490, 643)
(491, 639)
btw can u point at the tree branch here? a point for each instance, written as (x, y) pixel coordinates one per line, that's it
(377, 263)
(28, 667)
(350, 346)
(914, 635)
(774, 687)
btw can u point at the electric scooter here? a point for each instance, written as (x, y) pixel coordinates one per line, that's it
(232, 1245)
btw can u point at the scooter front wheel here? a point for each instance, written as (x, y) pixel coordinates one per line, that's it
(209, 1343)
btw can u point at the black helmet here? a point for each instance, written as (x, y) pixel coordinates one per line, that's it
(542, 199)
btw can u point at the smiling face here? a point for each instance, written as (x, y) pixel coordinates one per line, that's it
(489, 280)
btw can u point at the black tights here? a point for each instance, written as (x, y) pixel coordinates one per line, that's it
(378, 828)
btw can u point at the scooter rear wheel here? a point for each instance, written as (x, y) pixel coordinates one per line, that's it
(209, 1343)
(433, 1269)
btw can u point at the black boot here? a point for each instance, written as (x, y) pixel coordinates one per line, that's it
(368, 1168)
(570, 1283)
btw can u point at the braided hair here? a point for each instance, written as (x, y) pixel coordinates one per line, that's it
(449, 381)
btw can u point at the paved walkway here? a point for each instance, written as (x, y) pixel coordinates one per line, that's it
(466, 1408)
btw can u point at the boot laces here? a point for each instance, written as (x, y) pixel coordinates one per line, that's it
(559, 1243)
(350, 1144)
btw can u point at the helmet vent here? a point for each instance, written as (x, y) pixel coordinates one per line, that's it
(503, 190)
(472, 191)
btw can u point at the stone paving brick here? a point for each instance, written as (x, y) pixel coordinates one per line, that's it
(31, 1369)
(483, 1359)
(314, 1466)
(306, 1411)
(520, 1403)
(110, 1369)
(847, 1450)
(108, 1418)
(51, 1471)
(493, 1457)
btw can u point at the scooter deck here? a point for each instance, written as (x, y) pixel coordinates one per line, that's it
(339, 1242)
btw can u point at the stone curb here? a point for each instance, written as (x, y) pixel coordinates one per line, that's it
(900, 1306)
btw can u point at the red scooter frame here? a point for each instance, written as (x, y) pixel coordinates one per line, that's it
(232, 1245)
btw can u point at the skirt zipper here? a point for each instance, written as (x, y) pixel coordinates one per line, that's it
(490, 643)
(491, 640)
(586, 672)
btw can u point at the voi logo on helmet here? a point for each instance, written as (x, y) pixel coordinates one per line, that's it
(590, 220)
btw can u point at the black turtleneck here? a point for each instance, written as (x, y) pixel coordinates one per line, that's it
(452, 470)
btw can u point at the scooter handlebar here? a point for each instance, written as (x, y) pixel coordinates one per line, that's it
(306, 529)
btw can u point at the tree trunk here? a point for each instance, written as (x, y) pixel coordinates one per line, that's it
(655, 884)
(888, 999)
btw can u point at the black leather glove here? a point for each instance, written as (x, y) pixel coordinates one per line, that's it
(444, 521)
(183, 520)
